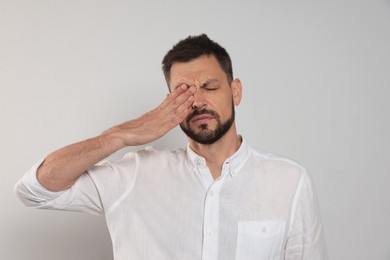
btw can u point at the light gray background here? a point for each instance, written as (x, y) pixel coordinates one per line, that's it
(316, 89)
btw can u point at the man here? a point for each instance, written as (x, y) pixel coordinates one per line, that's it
(217, 199)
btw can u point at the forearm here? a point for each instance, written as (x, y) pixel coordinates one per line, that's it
(62, 168)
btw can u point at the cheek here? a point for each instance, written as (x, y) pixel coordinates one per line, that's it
(224, 105)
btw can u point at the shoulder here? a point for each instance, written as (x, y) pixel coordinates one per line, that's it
(151, 153)
(275, 162)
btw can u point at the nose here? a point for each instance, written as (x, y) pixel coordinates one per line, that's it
(199, 101)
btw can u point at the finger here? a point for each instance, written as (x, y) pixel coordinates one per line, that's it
(175, 93)
(187, 104)
(181, 99)
(178, 97)
(182, 111)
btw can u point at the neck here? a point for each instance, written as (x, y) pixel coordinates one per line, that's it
(216, 153)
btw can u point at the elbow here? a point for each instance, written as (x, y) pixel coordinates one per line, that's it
(31, 192)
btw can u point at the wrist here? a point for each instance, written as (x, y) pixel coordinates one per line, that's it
(112, 139)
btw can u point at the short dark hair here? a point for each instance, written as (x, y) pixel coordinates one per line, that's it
(193, 47)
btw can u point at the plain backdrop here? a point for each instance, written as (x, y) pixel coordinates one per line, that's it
(316, 85)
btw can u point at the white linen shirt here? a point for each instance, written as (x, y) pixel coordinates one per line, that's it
(162, 204)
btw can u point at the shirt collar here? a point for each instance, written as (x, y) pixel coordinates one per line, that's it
(234, 162)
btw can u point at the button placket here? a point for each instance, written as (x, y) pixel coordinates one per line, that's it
(211, 221)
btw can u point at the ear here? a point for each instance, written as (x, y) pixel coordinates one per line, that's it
(236, 91)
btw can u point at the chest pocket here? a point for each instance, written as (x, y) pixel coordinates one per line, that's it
(260, 240)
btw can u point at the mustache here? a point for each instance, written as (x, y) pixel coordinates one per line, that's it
(199, 112)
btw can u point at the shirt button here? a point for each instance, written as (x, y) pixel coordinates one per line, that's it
(264, 230)
(211, 193)
(211, 233)
(198, 162)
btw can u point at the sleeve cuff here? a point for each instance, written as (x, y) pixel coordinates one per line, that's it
(36, 189)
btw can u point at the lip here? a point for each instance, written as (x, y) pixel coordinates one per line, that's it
(202, 119)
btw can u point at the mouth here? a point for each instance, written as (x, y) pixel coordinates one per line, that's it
(202, 119)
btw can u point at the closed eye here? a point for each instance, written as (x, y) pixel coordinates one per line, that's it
(210, 88)
(210, 85)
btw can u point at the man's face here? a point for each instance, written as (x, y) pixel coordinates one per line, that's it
(213, 107)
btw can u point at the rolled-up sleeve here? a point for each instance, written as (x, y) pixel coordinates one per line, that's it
(96, 191)
(82, 196)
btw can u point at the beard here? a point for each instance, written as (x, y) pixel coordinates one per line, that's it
(204, 135)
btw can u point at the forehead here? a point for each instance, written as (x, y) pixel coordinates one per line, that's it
(198, 70)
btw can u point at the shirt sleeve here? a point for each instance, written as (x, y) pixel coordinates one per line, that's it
(94, 192)
(306, 239)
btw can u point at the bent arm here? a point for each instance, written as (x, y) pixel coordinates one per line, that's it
(62, 168)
